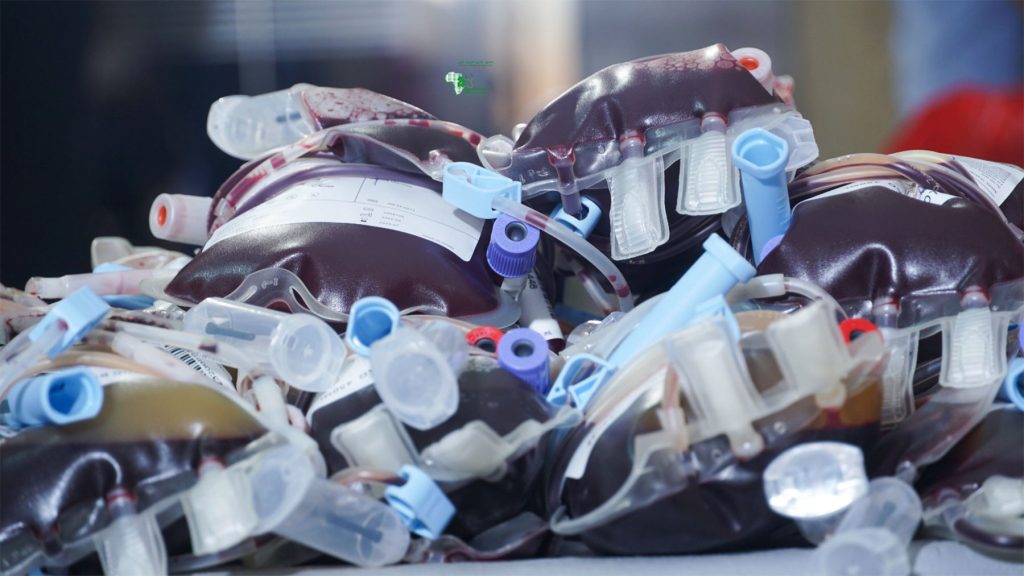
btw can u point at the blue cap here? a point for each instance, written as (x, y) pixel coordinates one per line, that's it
(424, 508)
(1012, 390)
(81, 312)
(524, 353)
(472, 189)
(761, 158)
(61, 397)
(369, 320)
(590, 215)
(513, 247)
(128, 301)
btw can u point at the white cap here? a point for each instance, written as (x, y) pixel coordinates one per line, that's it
(219, 510)
(180, 218)
(973, 349)
(414, 378)
(874, 551)
(759, 64)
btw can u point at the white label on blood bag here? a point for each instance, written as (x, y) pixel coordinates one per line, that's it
(996, 180)
(367, 202)
(355, 376)
(578, 464)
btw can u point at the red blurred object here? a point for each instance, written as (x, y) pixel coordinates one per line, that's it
(975, 122)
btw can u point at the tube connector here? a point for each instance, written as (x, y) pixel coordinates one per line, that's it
(424, 508)
(590, 215)
(370, 319)
(761, 158)
(472, 189)
(524, 353)
(60, 398)
(80, 312)
(180, 218)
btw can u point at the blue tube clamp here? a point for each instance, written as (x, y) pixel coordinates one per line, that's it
(424, 508)
(472, 189)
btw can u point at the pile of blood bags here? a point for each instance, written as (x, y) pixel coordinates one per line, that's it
(651, 321)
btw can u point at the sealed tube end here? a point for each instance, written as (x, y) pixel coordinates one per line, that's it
(524, 353)
(180, 218)
(60, 398)
(424, 508)
(512, 250)
(815, 480)
(370, 319)
(219, 509)
(875, 551)
(306, 353)
(414, 379)
(247, 127)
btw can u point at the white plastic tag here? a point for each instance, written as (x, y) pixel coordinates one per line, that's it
(994, 179)
(367, 202)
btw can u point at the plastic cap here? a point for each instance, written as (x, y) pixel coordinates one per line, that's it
(219, 510)
(128, 302)
(1013, 386)
(799, 134)
(370, 319)
(759, 64)
(815, 480)
(292, 502)
(513, 247)
(761, 158)
(639, 222)
(80, 312)
(590, 215)
(414, 379)
(890, 503)
(306, 353)
(524, 353)
(247, 127)
(472, 189)
(61, 397)
(420, 502)
(707, 182)
(874, 551)
(485, 338)
(180, 218)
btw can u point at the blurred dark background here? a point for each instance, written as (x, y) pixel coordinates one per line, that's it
(103, 104)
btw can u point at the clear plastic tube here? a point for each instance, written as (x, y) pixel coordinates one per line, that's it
(586, 250)
(222, 353)
(102, 283)
(158, 361)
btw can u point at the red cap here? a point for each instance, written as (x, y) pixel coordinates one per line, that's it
(485, 337)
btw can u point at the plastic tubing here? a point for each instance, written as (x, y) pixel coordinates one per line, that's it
(586, 250)
(102, 283)
(222, 353)
(158, 361)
